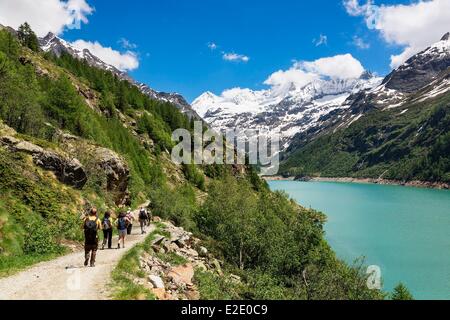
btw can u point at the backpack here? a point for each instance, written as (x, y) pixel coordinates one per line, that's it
(107, 224)
(143, 215)
(121, 224)
(90, 231)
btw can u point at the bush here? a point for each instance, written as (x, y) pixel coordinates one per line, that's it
(213, 287)
(178, 205)
(41, 238)
(194, 176)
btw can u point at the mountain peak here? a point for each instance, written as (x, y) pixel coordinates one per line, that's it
(422, 68)
(366, 75)
(49, 36)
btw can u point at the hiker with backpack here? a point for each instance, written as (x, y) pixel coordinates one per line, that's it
(122, 226)
(91, 226)
(107, 227)
(130, 218)
(143, 220)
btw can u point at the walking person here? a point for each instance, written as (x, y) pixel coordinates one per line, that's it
(107, 227)
(149, 217)
(91, 226)
(143, 220)
(130, 219)
(122, 226)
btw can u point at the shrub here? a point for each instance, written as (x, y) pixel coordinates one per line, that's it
(41, 238)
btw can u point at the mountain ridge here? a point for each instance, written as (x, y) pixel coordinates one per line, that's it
(56, 45)
(396, 131)
(287, 110)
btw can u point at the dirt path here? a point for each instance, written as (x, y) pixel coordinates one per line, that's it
(66, 278)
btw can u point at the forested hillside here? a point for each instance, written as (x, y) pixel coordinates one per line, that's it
(73, 136)
(404, 144)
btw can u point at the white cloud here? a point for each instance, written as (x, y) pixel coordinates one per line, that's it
(45, 15)
(360, 43)
(212, 46)
(235, 57)
(340, 67)
(323, 40)
(123, 61)
(294, 75)
(303, 72)
(414, 27)
(127, 44)
(354, 8)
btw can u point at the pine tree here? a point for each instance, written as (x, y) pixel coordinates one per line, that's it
(28, 38)
(401, 293)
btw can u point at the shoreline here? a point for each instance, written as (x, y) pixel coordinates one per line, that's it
(416, 184)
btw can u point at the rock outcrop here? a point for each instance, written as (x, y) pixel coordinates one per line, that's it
(110, 167)
(68, 171)
(117, 172)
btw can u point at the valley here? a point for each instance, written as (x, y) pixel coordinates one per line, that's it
(363, 167)
(383, 130)
(76, 136)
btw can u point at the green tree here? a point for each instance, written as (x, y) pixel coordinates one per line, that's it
(230, 214)
(401, 292)
(27, 37)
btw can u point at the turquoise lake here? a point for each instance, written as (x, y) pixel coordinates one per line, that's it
(405, 231)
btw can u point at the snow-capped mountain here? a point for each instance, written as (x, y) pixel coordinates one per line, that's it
(286, 110)
(300, 114)
(56, 45)
(422, 68)
(393, 131)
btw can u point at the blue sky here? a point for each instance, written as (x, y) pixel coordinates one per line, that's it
(171, 37)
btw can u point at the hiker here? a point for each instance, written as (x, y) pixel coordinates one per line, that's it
(130, 218)
(122, 226)
(143, 220)
(107, 227)
(91, 226)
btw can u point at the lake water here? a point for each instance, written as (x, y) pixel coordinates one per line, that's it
(405, 231)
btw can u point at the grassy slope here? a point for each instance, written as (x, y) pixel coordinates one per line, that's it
(36, 211)
(36, 214)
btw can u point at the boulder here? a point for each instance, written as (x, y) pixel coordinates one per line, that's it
(203, 252)
(182, 274)
(117, 174)
(174, 247)
(27, 147)
(158, 240)
(180, 243)
(156, 281)
(68, 171)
